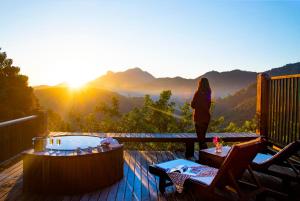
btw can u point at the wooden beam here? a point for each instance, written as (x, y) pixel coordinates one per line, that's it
(262, 103)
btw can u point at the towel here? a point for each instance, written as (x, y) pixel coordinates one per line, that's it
(178, 179)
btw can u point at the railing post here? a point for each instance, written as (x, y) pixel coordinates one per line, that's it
(42, 123)
(262, 103)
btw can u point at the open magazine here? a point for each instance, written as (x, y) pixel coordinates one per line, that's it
(183, 169)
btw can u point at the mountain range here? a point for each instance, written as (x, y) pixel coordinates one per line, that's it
(234, 91)
(241, 106)
(135, 82)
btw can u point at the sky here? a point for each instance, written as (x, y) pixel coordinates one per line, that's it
(74, 41)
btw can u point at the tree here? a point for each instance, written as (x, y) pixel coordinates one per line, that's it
(55, 122)
(216, 125)
(17, 98)
(110, 116)
(249, 126)
(135, 122)
(231, 127)
(110, 111)
(185, 123)
(160, 113)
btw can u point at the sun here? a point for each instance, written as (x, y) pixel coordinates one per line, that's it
(76, 83)
(77, 79)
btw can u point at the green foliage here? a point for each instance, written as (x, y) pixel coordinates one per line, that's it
(248, 126)
(155, 116)
(216, 125)
(17, 99)
(185, 123)
(136, 122)
(158, 116)
(110, 111)
(55, 122)
(231, 127)
(160, 113)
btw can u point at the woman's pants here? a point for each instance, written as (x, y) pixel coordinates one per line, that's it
(201, 129)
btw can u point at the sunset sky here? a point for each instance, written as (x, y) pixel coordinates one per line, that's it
(75, 41)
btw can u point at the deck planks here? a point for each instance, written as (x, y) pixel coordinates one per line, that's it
(137, 184)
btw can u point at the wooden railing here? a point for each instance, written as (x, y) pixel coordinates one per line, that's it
(189, 139)
(278, 108)
(16, 135)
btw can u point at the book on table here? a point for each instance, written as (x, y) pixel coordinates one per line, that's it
(183, 169)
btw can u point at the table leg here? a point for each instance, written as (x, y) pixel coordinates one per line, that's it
(162, 185)
(189, 149)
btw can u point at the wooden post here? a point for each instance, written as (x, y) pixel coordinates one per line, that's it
(42, 123)
(262, 103)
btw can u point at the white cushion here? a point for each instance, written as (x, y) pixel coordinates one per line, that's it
(260, 158)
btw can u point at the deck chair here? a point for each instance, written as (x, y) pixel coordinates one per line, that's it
(281, 164)
(232, 169)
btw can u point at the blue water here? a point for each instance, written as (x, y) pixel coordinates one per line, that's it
(70, 143)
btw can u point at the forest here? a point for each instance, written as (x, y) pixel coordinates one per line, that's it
(155, 116)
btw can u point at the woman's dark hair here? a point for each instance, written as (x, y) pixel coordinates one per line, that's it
(203, 85)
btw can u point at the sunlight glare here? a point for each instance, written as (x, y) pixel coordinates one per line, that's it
(76, 82)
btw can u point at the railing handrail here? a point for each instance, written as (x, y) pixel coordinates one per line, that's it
(17, 121)
(285, 76)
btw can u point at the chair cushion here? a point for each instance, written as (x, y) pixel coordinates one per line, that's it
(261, 158)
(174, 163)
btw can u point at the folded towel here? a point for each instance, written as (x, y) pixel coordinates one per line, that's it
(178, 179)
(110, 142)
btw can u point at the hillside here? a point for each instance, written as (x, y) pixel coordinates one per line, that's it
(287, 69)
(226, 83)
(241, 106)
(238, 107)
(62, 100)
(138, 82)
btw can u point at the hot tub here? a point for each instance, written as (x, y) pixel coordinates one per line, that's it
(61, 168)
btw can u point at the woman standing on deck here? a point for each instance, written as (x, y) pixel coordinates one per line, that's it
(201, 104)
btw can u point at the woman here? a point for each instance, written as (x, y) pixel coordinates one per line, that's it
(201, 104)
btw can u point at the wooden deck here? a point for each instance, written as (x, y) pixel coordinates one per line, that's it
(137, 183)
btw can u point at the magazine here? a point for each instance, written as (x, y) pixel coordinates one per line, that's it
(183, 169)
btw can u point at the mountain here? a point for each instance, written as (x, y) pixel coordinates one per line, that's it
(241, 106)
(238, 107)
(138, 82)
(288, 69)
(119, 81)
(62, 100)
(234, 91)
(226, 83)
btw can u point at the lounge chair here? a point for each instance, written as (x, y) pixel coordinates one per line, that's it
(281, 164)
(232, 169)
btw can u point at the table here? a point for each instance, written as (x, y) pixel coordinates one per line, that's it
(211, 158)
(62, 168)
